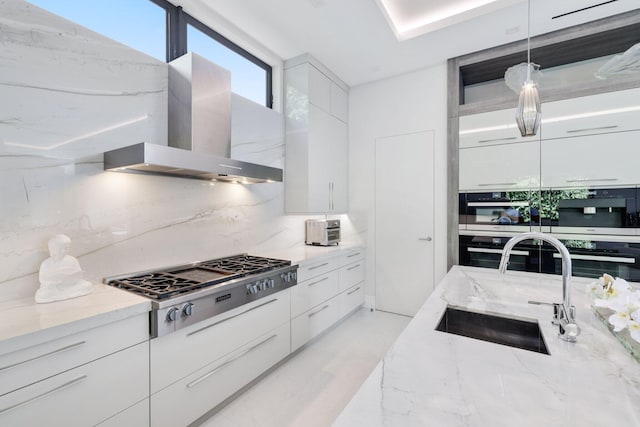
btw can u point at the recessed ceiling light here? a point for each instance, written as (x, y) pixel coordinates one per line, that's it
(411, 18)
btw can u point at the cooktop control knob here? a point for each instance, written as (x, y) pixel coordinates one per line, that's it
(187, 309)
(262, 285)
(172, 314)
(271, 283)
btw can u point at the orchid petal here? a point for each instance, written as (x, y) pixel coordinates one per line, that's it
(619, 321)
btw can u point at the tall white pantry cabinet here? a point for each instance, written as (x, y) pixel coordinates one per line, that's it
(316, 110)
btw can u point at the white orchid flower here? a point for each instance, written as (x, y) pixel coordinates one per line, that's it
(634, 330)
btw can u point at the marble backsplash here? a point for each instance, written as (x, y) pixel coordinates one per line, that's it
(75, 94)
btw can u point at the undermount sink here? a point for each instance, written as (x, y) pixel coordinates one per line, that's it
(496, 329)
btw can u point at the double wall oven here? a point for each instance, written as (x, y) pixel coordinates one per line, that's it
(599, 226)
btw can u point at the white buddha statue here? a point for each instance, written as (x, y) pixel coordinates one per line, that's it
(60, 274)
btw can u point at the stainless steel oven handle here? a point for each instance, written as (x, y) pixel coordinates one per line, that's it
(603, 258)
(244, 353)
(590, 129)
(496, 251)
(45, 394)
(231, 317)
(41, 356)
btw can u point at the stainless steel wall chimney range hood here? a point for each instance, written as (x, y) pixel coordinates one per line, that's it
(199, 131)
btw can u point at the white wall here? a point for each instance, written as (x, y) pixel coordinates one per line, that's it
(408, 103)
(56, 74)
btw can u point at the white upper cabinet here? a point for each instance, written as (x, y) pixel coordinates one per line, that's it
(490, 128)
(596, 114)
(588, 115)
(316, 177)
(593, 160)
(590, 140)
(500, 167)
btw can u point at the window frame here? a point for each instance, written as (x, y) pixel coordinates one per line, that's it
(176, 42)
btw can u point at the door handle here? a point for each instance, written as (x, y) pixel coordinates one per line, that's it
(426, 239)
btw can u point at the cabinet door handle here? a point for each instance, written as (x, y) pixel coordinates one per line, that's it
(231, 317)
(591, 179)
(352, 255)
(244, 353)
(318, 281)
(317, 266)
(491, 184)
(355, 290)
(45, 394)
(590, 129)
(51, 353)
(321, 310)
(484, 141)
(426, 239)
(355, 266)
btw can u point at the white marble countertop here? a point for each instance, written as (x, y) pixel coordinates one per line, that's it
(24, 323)
(432, 378)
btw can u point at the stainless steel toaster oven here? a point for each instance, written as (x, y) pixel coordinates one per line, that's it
(322, 232)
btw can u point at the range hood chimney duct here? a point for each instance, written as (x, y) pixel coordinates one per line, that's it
(199, 131)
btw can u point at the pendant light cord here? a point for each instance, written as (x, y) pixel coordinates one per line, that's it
(528, 41)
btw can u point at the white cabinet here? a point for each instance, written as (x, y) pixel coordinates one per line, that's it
(99, 386)
(506, 167)
(310, 324)
(191, 397)
(316, 109)
(135, 416)
(209, 340)
(490, 128)
(327, 290)
(196, 368)
(593, 160)
(606, 113)
(584, 141)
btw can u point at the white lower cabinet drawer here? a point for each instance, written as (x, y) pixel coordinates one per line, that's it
(82, 396)
(135, 416)
(312, 292)
(313, 322)
(190, 398)
(31, 364)
(313, 268)
(351, 275)
(351, 299)
(206, 341)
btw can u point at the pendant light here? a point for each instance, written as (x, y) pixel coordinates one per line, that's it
(528, 112)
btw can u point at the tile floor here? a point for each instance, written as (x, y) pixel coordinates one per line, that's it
(311, 388)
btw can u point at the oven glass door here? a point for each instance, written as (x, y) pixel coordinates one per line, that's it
(592, 211)
(486, 251)
(497, 211)
(594, 258)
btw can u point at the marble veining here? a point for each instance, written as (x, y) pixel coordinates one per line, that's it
(77, 94)
(434, 378)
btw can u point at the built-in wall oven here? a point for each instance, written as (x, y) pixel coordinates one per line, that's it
(604, 211)
(495, 211)
(590, 256)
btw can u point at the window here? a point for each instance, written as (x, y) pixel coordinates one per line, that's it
(247, 77)
(138, 24)
(164, 31)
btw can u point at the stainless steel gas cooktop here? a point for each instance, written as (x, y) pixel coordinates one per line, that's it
(186, 294)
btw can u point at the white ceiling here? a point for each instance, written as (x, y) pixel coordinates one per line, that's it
(354, 39)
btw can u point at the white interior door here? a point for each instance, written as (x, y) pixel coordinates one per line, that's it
(404, 221)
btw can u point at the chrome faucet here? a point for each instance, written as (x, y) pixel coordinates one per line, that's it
(564, 315)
